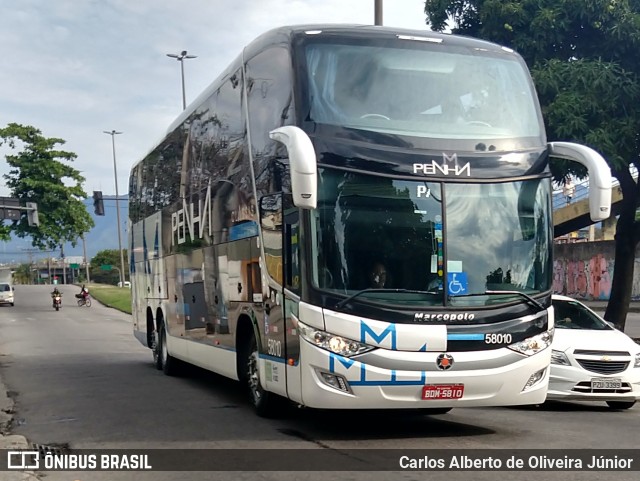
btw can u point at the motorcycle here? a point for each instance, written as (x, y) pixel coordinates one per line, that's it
(83, 299)
(57, 302)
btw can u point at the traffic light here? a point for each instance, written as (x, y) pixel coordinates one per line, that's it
(32, 214)
(98, 203)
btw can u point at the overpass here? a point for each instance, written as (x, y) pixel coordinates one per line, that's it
(573, 215)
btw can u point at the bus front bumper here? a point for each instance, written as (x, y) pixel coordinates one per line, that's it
(330, 381)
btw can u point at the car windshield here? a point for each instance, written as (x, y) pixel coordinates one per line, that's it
(573, 315)
(4, 288)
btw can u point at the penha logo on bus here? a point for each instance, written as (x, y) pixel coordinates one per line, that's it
(449, 166)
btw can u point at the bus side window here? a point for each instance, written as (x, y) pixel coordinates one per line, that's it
(271, 223)
(292, 244)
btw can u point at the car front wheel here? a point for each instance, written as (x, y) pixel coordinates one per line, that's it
(620, 404)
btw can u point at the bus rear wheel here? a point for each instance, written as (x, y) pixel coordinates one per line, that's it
(168, 363)
(155, 349)
(264, 402)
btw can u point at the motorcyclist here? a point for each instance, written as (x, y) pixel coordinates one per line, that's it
(56, 293)
(84, 292)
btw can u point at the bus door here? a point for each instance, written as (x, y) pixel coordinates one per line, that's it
(279, 222)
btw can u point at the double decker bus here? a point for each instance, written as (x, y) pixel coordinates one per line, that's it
(322, 153)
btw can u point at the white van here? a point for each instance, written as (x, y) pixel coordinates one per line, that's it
(6, 287)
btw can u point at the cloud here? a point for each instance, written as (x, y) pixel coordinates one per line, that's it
(74, 68)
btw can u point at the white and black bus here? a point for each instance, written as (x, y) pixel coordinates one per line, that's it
(356, 217)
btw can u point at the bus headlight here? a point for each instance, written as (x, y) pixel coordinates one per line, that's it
(336, 344)
(533, 345)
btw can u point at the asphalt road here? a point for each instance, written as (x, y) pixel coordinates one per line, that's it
(81, 380)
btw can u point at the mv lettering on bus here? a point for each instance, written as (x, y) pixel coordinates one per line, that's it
(360, 374)
(192, 215)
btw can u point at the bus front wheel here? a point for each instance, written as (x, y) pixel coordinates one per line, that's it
(264, 402)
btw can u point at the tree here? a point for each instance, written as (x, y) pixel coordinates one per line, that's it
(39, 173)
(23, 274)
(584, 56)
(109, 257)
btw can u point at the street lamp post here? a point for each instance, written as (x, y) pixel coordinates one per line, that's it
(378, 12)
(180, 58)
(113, 134)
(86, 261)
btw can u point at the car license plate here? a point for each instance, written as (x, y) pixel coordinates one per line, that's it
(442, 391)
(606, 383)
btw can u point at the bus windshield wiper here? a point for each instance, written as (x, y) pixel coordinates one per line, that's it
(527, 297)
(382, 291)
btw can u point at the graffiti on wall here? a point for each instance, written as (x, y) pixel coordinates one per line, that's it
(585, 279)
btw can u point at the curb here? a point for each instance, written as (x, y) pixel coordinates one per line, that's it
(602, 305)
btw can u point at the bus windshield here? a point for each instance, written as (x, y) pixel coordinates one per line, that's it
(422, 90)
(423, 244)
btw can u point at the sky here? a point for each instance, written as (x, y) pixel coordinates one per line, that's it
(76, 68)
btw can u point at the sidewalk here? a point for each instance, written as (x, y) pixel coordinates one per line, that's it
(632, 325)
(601, 306)
(11, 441)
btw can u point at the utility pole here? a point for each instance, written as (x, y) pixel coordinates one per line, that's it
(86, 261)
(64, 265)
(113, 134)
(378, 12)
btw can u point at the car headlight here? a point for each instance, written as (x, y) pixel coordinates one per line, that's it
(336, 344)
(533, 345)
(636, 363)
(559, 357)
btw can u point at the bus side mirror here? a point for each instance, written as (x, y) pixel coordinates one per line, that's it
(302, 162)
(599, 175)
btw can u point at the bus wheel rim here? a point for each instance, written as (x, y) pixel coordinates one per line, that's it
(253, 377)
(164, 351)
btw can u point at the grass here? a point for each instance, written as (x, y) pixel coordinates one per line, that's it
(111, 296)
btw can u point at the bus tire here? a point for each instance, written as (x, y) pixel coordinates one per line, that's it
(264, 402)
(435, 411)
(155, 349)
(167, 361)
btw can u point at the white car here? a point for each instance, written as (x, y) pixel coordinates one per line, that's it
(6, 294)
(590, 360)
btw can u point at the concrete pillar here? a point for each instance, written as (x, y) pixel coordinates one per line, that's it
(609, 228)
